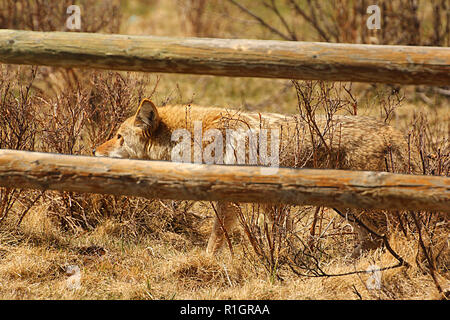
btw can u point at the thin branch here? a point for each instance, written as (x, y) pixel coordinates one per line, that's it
(426, 253)
(345, 273)
(260, 20)
(383, 237)
(311, 21)
(224, 230)
(319, 273)
(29, 207)
(272, 6)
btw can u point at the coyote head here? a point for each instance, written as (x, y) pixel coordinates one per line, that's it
(133, 136)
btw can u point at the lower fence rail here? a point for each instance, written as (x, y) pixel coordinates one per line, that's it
(236, 183)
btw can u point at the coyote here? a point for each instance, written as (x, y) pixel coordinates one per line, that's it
(342, 142)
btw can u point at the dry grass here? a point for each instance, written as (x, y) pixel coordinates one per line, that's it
(130, 248)
(34, 260)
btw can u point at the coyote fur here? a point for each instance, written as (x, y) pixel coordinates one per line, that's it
(342, 142)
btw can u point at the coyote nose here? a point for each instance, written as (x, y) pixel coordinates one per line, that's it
(93, 151)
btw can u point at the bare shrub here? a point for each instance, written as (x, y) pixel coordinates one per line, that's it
(404, 22)
(431, 229)
(309, 243)
(291, 236)
(48, 15)
(74, 122)
(82, 114)
(17, 131)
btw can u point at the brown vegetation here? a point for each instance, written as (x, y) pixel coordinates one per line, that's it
(132, 248)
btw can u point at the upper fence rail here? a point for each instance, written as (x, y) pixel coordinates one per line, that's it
(230, 57)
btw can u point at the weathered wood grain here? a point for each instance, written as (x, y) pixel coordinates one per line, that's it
(229, 57)
(169, 180)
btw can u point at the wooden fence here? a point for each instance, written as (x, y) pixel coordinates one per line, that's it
(226, 57)
(170, 180)
(230, 57)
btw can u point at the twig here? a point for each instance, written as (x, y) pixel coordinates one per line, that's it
(260, 20)
(222, 226)
(312, 231)
(310, 116)
(7, 202)
(401, 261)
(274, 8)
(345, 273)
(426, 253)
(312, 21)
(356, 292)
(29, 207)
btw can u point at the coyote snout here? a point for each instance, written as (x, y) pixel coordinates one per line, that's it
(153, 133)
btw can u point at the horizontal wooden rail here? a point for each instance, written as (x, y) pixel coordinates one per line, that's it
(169, 180)
(230, 57)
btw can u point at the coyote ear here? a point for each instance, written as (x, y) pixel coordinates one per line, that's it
(147, 117)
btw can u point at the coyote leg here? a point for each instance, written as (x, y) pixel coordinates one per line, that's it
(225, 219)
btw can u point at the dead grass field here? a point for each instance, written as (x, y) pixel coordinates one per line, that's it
(130, 248)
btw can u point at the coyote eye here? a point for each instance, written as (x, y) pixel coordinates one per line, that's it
(119, 136)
